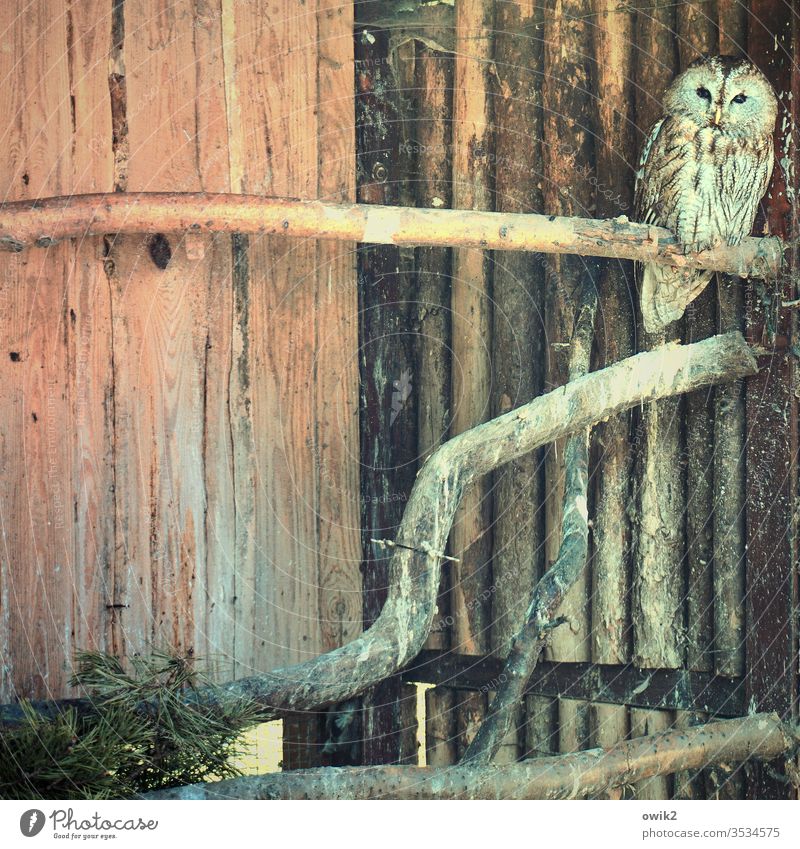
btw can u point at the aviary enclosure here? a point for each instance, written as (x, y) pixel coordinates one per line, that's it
(214, 409)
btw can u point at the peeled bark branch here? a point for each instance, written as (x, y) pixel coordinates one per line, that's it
(41, 223)
(403, 625)
(758, 737)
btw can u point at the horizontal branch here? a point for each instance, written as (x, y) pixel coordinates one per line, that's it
(758, 737)
(405, 620)
(41, 223)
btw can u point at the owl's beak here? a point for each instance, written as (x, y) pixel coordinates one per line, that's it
(717, 115)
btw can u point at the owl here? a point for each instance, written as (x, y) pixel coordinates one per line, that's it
(704, 167)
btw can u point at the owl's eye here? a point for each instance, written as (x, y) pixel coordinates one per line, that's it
(704, 93)
(740, 98)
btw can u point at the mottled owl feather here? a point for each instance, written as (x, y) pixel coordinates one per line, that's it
(703, 169)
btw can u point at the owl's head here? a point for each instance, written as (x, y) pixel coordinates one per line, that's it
(726, 93)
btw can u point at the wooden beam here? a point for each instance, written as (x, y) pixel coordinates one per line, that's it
(771, 460)
(42, 223)
(662, 689)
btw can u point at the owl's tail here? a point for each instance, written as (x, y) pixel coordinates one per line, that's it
(666, 292)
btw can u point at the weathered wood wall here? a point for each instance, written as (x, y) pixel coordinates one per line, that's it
(198, 437)
(178, 415)
(570, 92)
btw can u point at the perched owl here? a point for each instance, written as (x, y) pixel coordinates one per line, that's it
(703, 169)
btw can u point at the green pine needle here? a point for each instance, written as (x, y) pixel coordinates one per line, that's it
(123, 749)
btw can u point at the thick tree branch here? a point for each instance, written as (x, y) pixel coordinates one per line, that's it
(758, 737)
(403, 625)
(40, 223)
(548, 594)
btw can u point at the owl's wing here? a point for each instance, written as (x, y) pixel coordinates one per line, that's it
(664, 292)
(646, 188)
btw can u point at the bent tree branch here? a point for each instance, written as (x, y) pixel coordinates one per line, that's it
(403, 625)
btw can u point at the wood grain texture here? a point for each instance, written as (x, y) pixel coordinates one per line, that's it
(613, 444)
(38, 570)
(196, 441)
(335, 369)
(471, 315)
(659, 526)
(697, 36)
(518, 332)
(729, 455)
(568, 153)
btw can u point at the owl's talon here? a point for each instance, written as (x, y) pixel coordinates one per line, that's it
(699, 246)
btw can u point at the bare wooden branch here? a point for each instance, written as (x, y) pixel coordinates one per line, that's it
(400, 631)
(757, 737)
(42, 223)
(563, 574)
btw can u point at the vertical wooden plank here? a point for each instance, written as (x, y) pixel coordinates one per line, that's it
(773, 43)
(518, 337)
(471, 309)
(432, 153)
(614, 444)
(440, 733)
(732, 22)
(433, 108)
(388, 400)
(609, 725)
(658, 588)
(644, 722)
(518, 330)
(568, 149)
(175, 118)
(90, 333)
(272, 67)
(697, 36)
(471, 536)
(36, 428)
(335, 368)
(729, 440)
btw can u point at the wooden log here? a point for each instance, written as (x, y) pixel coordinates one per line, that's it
(433, 110)
(659, 521)
(609, 727)
(771, 590)
(758, 737)
(471, 367)
(471, 315)
(613, 448)
(729, 555)
(40, 223)
(440, 739)
(568, 154)
(403, 625)
(697, 36)
(388, 439)
(662, 689)
(649, 722)
(517, 339)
